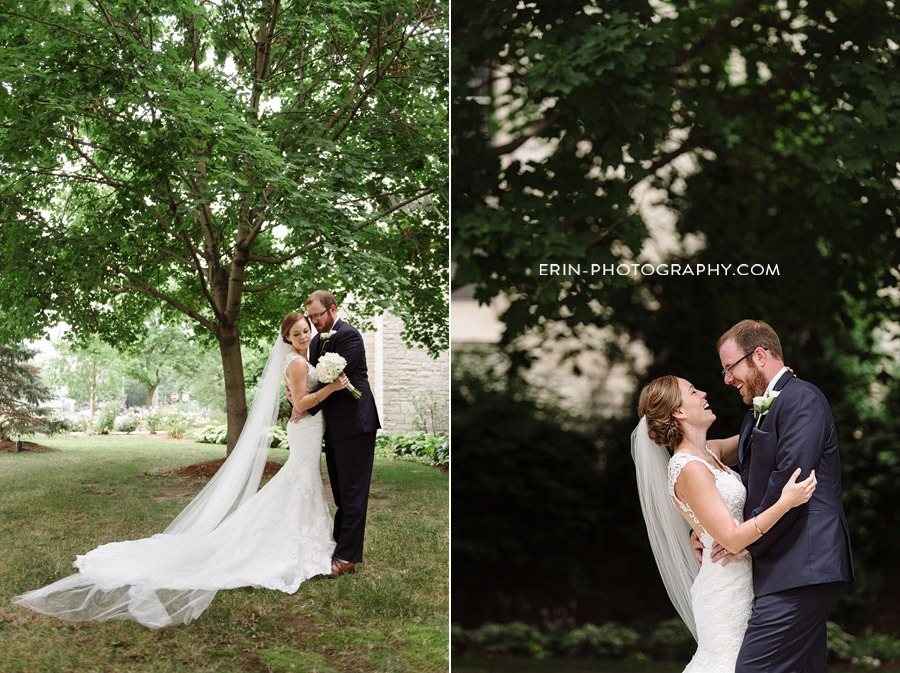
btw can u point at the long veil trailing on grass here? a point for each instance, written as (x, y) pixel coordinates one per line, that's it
(134, 579)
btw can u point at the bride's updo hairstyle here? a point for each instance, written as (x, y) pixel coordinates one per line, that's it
(289, 321)
(659, 400)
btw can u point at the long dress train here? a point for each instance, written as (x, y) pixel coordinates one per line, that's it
(276, 538)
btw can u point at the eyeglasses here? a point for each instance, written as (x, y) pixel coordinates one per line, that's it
(730, 368)
(316, 316)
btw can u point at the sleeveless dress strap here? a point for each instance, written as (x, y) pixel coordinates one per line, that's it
(289, 358)
(676, 465)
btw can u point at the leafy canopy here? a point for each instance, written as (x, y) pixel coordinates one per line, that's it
(221, 159)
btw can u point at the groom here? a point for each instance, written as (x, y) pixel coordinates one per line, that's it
(802, 564)
(350, 427)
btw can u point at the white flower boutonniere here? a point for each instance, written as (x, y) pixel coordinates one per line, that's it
(324, 337)
(761, 405)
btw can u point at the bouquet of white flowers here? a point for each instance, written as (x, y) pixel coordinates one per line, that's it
(330, 368)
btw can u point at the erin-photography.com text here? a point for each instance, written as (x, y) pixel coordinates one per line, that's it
(646, 269)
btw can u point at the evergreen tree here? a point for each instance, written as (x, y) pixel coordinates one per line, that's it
(21, 393)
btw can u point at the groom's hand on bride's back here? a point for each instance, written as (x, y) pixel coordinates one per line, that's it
(697, 548)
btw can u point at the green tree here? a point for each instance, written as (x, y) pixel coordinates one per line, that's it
(92, 372)
(770, 130)
(165, 351)
(21, 393)
(222, 159)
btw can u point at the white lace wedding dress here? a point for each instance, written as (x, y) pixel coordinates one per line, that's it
(721, 596)
(276, 539)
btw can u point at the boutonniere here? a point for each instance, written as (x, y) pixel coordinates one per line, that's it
(761, 405)
(324, 337)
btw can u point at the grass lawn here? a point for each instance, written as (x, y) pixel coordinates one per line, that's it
(392, 616)
(479, 665)
(512, 665)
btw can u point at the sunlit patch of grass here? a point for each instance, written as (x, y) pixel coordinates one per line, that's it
(392, 615)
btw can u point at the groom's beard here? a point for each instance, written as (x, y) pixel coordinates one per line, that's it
(754, 386)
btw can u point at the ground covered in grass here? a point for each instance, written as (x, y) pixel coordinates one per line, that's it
(514, 665)
(391, 616)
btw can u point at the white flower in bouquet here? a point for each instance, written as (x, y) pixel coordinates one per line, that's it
(330, 368)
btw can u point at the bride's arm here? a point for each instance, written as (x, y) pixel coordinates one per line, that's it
(296, 376)
(726, 450)
(696, 486)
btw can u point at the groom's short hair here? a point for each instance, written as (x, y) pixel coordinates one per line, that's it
(750, 334)
(324, 297)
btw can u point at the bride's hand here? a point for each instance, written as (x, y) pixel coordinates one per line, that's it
(339, 384)
(722, 554)
(795, 492)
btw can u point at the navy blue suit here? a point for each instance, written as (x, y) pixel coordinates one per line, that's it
(350, 428)
(801, 565)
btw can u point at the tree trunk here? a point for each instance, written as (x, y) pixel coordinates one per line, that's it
(235, 392)
(151, 391)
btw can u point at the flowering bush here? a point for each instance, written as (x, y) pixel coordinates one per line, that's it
(105, 419)
(153, 420)
(127, 422)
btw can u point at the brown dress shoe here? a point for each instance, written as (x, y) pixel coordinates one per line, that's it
(339, 567)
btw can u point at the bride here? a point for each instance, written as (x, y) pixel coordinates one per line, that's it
(694, 489)
(230, 535)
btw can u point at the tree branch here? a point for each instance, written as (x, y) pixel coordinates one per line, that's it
(261, 288)
(525, 136)
(143, 288)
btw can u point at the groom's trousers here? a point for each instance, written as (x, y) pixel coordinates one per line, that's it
(350, 473)
(786, 632)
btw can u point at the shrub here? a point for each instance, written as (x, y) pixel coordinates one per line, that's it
(178, 424)
(279, 436)
(459, 638)
(430, 411)
(882, 647)
(513, 638)
(214, 433)
(79, 423)
(127, 423)
(427, 448)
(153, 419)
(610, 641)
(840, 643)
(106, 417)
(210, 434)
(671, 639)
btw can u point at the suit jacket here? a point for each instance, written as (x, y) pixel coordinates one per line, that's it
(345, 416)
(811, 543)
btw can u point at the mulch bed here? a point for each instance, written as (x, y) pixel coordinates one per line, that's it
(27, 447)
(210, 467)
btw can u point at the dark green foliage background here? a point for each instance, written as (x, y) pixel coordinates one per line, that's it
(795, 167)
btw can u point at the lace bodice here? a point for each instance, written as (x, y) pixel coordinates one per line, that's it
(311, 381)
(728, 483)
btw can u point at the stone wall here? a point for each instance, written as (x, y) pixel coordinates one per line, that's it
(403, 378)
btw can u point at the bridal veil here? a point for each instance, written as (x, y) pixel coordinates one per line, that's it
(669, 533)
(128, 580)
